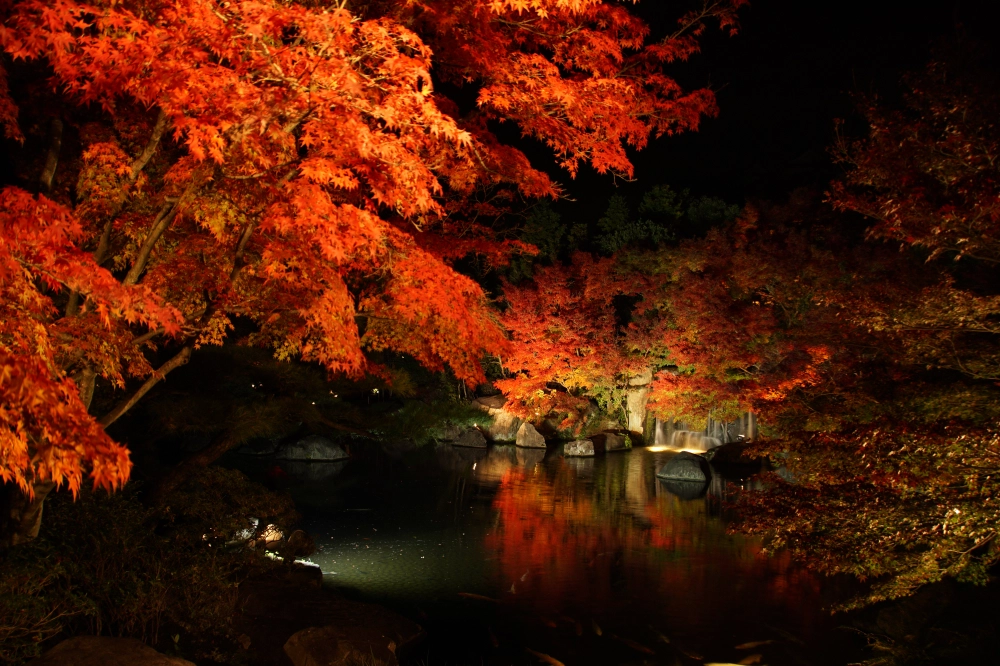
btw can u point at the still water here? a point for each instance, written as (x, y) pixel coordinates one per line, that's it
(592, 561)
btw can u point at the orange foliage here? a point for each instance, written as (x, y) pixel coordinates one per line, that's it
(303, 174)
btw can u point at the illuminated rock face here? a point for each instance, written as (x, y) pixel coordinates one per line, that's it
(105, 651)
(529, 438)
(580, 448)
(505, 425)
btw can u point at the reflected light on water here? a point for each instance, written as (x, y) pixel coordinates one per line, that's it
(661, 449)
(561, 543)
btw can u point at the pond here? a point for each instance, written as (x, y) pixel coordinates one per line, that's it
(506, 554)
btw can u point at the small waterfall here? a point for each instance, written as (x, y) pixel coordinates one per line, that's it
(696, 442)
(678, 435)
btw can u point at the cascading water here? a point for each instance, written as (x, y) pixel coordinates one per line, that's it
(676, 435)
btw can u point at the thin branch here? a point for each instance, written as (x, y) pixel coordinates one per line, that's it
(147, 153)
(160, 225)
(149, 335)
(178, 360)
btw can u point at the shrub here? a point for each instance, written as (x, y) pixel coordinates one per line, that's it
(108, 564)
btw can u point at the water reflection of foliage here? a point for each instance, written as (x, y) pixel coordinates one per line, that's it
(562, 544)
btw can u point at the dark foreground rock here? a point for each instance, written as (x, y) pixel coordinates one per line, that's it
(105, 651)
(472, 439)
(291, 618)
(685, 490)
(686, 467)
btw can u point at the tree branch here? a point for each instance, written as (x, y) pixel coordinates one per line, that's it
(147, 153)
(160, 225)
(180, 359)
(52, 158)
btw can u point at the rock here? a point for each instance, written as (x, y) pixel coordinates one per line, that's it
(610, 441)
(472, 439)
(580, 448)
(685, 490)
(328, 646)
(312, 448)
(105, 651)
(451, 432)
(686, 467)
(643, 378)
(298, 544)
(635, 403)
(529, 438)
(504, 425)
(346, 645)
(275, 606)
(492, 401)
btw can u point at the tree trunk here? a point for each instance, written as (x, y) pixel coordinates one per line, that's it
(52, 157)
(21, 517)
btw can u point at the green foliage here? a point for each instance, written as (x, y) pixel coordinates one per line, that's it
(664, 216)
(706, 213)
(425, 422)
(108, 564)
(616, 229)
(554, 238)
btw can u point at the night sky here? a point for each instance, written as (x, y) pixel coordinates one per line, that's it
(780, 84)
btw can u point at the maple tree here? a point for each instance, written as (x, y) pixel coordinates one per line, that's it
(872, 369)
(293, 165)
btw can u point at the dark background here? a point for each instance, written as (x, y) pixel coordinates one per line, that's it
(794, 68)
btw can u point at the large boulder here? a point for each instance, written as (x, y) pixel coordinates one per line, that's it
(580, 448)
(331, 646)
(610, 441)
(529, 438)
(105, 651)
(686, 467)
(313, 448)
(685, 490)
(472, 439)
(504, 425)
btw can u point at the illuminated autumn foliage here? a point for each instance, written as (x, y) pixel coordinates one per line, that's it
(292, 165)
(867, 344)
